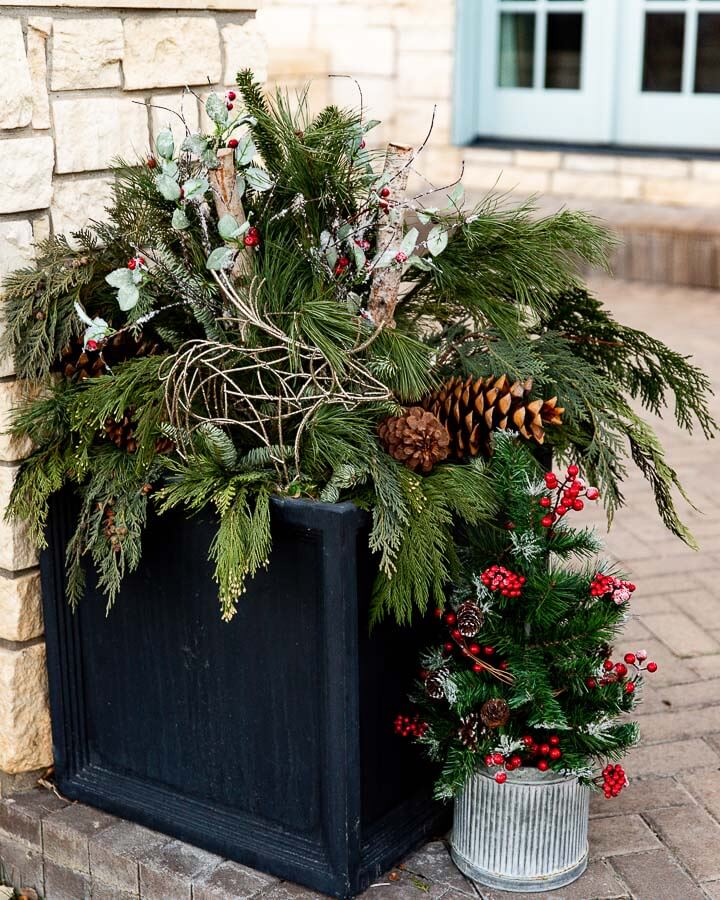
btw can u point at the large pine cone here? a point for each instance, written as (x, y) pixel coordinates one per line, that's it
(417, 439)
(77, 363)
(469, 619)
(472, 409)
(495, 713)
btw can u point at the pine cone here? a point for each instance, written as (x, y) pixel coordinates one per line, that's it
(435, 684)
(495, 713)
(472, 409)
(468, 731)
(122, 431)
(469, 619)
(77, 363)
(417, 439)
(164, 445)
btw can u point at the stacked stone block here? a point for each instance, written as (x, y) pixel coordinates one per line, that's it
(82, 83)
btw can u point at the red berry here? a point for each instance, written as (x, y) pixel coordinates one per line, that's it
(448, 647)
(489, 759)
(591, 683)
(231, 95)
(498, 759)
(578, 505)
(555, 753)
(488, 651)
(450, 618)
(629, 658)
(545, 502)
(362, 144)
(652, 667)
(229, 105)
(91, 345)
(475, 649)
(438, 613)
(592, 493)
(621, 669)
(544, 749)
(546, 521)
(543, 765)
(554, 741)
(232, 143)
(132, 263)
(607, 665)
(528, 741)
(343, 261)
(573, 471)
(385, 192)
(500, 777)
(630, 687)
(516, 761)
(400, 257)
(478, 667)
(504, 665)
(151, 162)
(456, 634)
(561, 510)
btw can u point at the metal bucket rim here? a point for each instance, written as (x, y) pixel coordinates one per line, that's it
(529, 777)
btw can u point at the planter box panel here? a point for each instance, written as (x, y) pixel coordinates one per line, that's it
(267, 739)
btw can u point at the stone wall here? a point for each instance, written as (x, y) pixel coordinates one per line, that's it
(81, 83)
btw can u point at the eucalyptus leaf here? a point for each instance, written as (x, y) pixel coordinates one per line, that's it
(437, 240)
(409, 242)
(370, 124)
(420, 262)
(257, 179)
(179, 220)
(216, 109)
(220, 258)
(168, 187)
(384, 259)
(194, 188)
(165, 144)
(228, 227)
(195, 144)
(425, 215)
(457, 196)
(210, 158)
(245, 150)
(128, 297)
(240, 186)
(170, 168)
(119, 278)
(344, 231)
(359, 257)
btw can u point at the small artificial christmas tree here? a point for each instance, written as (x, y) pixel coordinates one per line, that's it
(525, 674)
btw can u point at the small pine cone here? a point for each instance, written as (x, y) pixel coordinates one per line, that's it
(469, 619)
(472, 409)
(468, 731)
(435, 684)
(495, 713)
(417, 439)
(604, 651)
(122, 431)
(164, 445)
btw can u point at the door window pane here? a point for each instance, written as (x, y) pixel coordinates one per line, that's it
(707, 60)
(517, 50)
(564, 50)
(663, 56)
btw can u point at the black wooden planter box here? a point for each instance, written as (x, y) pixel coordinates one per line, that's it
(267, 740)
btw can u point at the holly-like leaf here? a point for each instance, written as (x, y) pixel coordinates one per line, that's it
(165, 144)
(409, 242)
(168, 187)
(194, 188)
(437, 240)
(220, 258)
(245, 150)
(128, 297)
(228, 227)
(257, 179)
(216, 109)
(179, 220)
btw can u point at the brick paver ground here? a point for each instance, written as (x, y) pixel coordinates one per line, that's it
(660, 840)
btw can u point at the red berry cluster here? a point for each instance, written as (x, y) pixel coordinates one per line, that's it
(136, 262)
(407, 727)
(617, 671)
(252, 237)
(229, 97)
(342, 265)
(546, 749)
(498, 578)
(602, 585)
(568, 498)
(614, 780)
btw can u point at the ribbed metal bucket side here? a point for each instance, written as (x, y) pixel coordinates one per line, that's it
(527, 834)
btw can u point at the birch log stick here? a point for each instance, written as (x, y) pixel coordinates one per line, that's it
(386, 281)
(223, 181)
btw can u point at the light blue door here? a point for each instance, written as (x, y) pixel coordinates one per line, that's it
(670, 74)
(546, 69)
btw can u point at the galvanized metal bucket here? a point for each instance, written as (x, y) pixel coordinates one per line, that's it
(527, 835)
